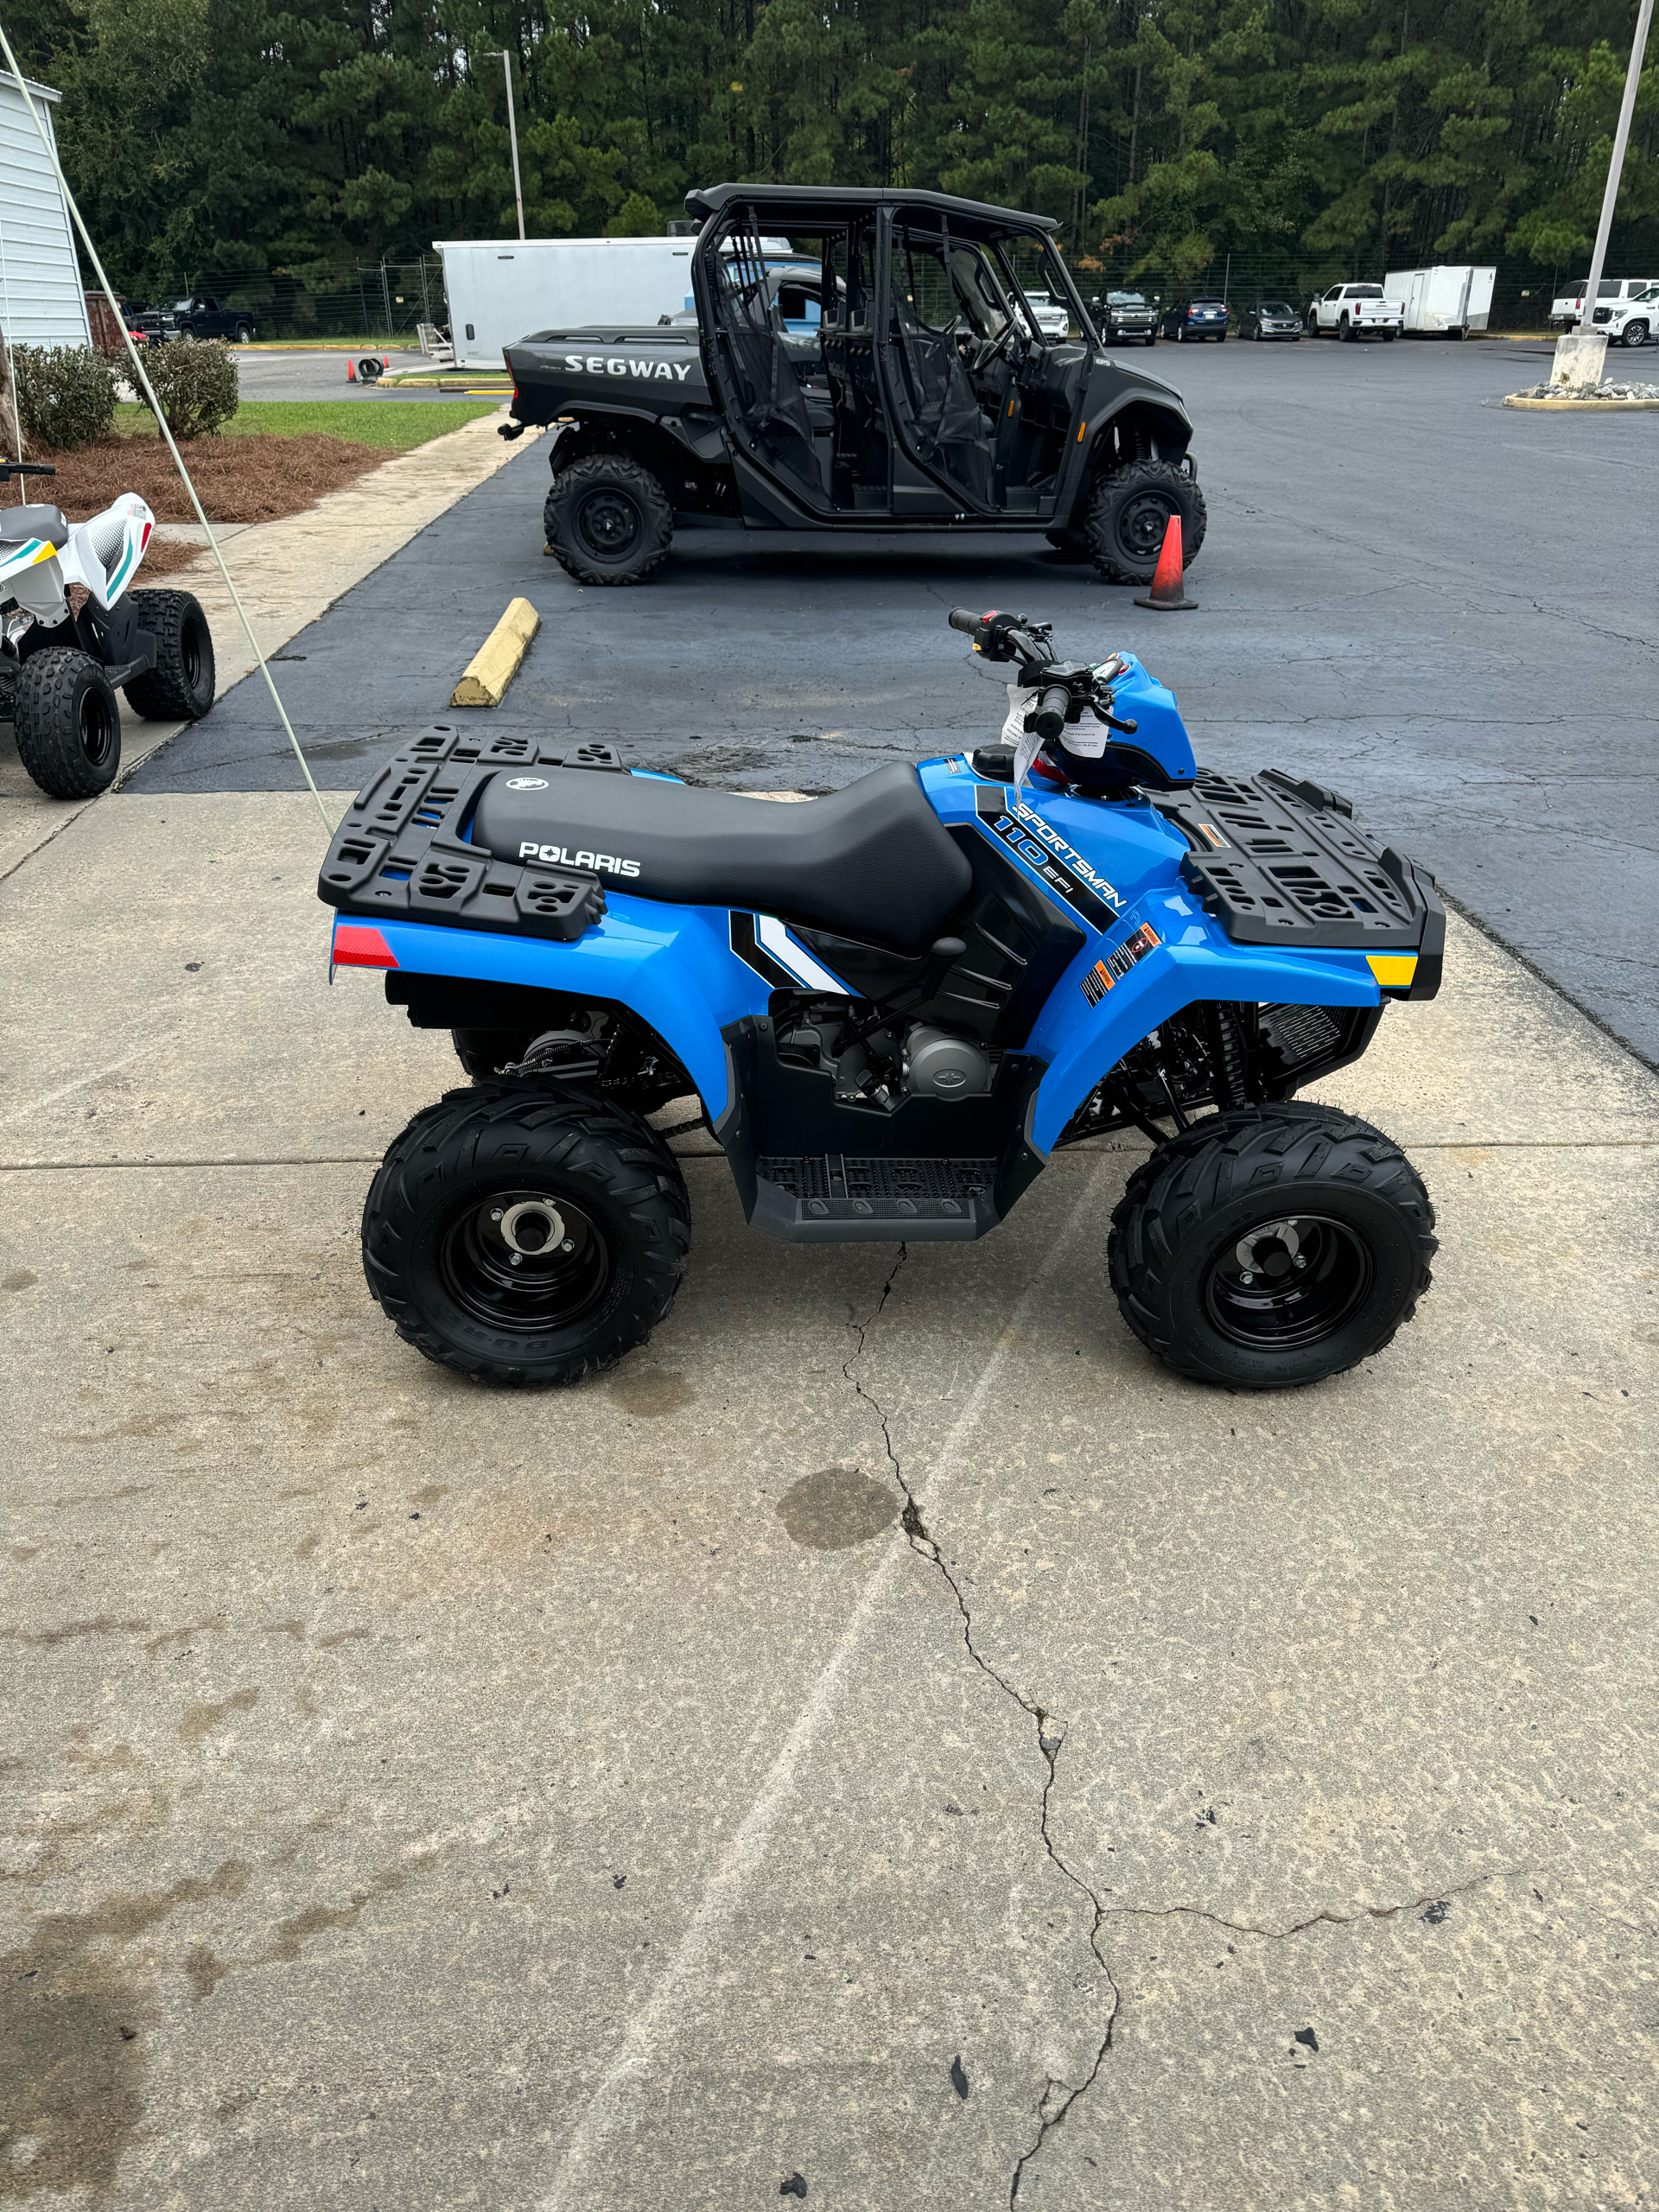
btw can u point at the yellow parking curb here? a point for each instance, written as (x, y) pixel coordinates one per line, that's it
(495, 663)
(1582, 406)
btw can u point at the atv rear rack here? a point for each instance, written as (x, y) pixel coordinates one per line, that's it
(1286, 863)
(402, 851)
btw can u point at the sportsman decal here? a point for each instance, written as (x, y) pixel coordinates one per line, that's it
(1042, 849)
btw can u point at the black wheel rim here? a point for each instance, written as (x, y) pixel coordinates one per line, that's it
(1288, 1281)
(1141, 522)
(560, 1271)
(190, 655)
(608, 523)
(97, 727)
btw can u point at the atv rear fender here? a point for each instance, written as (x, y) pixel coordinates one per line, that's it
(672, 966)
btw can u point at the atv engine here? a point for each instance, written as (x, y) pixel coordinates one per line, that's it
(938, 1065)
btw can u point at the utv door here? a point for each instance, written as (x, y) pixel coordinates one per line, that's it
(981, 405)
(770, 382)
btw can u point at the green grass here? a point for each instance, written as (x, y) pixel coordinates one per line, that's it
(397, 424)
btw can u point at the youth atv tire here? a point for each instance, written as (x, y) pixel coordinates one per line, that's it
(607, 520)
(1271, 1246)
(179, 688)
(525, 1239)
(67, 723)
(1128, 513)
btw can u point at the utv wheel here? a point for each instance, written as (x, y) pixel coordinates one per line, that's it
(608, 520)
(67, 723)
(179, 688)
(1271, 1246)
(1128, 513)
(525, 1239)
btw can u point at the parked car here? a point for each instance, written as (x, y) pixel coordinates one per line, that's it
(1269, 319)
(1564, 312)
(1128, 317)
(925, 396)
(1194, 318)
(1630, 322)
(198, 316)
(1052, 320)
(1354, 311)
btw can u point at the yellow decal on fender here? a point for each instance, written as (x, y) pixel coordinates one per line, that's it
(1394, 970)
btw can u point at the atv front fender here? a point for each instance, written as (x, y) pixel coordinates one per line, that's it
(1094, 1015)
(673, 966)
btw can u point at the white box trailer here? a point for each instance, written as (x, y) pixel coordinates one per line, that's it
(502, 289)
(42, 302)
(1445, 302)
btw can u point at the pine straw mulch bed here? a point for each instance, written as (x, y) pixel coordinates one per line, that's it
(255, 479)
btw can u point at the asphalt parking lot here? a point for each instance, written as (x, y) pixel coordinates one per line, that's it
(1408, 593)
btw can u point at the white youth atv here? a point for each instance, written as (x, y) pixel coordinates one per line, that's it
(60, 673)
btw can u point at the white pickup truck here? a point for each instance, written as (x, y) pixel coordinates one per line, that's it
(1355, 311)
(1630, 321)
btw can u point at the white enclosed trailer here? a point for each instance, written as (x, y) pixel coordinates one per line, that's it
(502, 289)
(1445, 302)
(42, 302)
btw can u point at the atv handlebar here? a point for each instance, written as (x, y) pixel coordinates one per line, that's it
(1047, 718)
(1069, 689)
(10, 468)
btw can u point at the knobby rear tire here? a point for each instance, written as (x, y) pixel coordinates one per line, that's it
(1186, 1210)
(181, 686)
(603, 492)
(435, 1183)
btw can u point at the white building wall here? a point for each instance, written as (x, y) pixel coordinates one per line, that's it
(42, 302)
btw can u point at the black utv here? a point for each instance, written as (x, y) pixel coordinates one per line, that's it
(860, 360)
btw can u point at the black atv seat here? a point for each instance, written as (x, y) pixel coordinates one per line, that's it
(872, 861)
(19, 524)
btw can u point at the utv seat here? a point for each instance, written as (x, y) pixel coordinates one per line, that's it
(19, 524)
(872, 861)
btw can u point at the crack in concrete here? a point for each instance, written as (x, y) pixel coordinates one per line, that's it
(1050, 1734)
(1315, 1919)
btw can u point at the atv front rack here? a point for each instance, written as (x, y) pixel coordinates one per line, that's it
(1286, 863)
(402, 851)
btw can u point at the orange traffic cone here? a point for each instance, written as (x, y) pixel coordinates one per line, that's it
(351, 371)
(1168, 592)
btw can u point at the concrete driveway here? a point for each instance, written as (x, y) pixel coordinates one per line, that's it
(889, 1733)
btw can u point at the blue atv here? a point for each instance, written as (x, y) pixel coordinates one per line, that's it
(893, 1004)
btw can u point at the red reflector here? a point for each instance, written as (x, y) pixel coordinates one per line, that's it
(358, 946)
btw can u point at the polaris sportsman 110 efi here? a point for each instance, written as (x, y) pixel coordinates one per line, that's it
(894, 1004)
(59, 671)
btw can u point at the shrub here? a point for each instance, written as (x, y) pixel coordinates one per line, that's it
(196, 383)
(65, 394)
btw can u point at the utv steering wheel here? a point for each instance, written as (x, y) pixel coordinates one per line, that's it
(988, 349)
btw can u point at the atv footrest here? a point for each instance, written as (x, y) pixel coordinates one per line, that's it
(837, 1198)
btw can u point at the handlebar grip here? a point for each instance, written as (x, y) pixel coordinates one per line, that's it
(1048, 717)
(960, 619)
